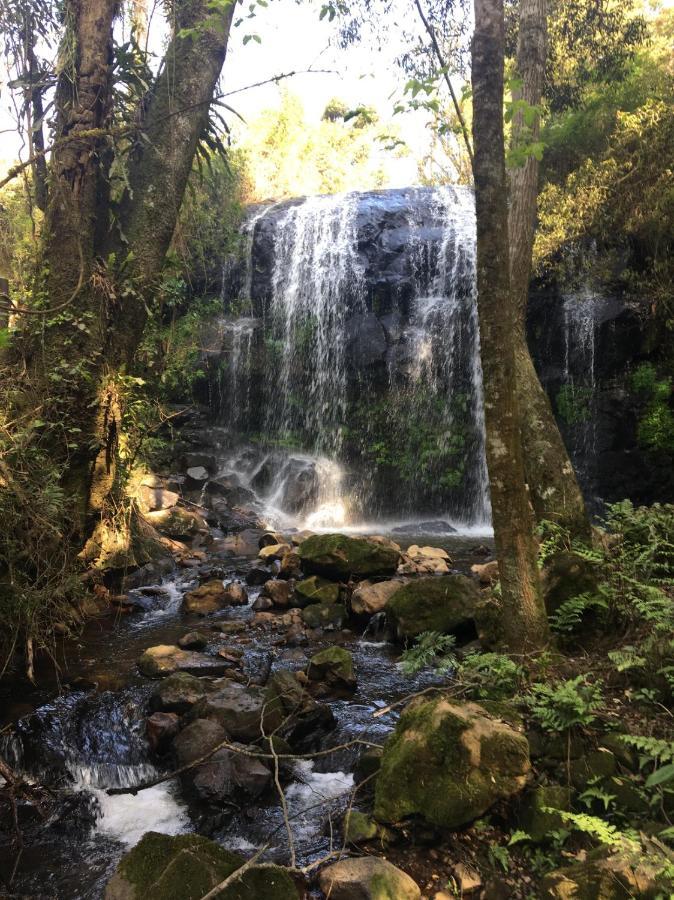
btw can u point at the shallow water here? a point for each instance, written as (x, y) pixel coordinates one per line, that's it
(83, 741)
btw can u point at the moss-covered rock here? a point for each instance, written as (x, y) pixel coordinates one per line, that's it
(178, 693)
(449, 762)
(628, 874)
(359, 828)
(315, 590)
(599, 763)
(533, 816)
(324, 615)
(433, 604)
(339, 556)
(367, 878)
(177, 522)
(334, 667)
(187, 866)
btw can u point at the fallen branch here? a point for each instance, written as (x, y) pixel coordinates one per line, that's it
(226, 745)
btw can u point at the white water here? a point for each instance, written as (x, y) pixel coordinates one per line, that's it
(125, 817)
(312, 789)
(316, 266)
(317, 287)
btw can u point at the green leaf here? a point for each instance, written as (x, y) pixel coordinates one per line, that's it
(661, 776)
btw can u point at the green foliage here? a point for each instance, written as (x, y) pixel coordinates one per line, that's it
(430, 649)
(656, 426)
(561, 706)
(571, 613)
(598, 829)
(492, 676)
(573, 404)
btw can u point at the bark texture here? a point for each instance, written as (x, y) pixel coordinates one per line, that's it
(552, 481)
(524, 622)
(102, 264)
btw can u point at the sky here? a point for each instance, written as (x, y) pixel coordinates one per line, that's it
(292, 38)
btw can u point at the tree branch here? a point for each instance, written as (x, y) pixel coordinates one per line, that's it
(443, 65)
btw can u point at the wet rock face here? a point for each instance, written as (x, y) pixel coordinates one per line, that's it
(433, 604)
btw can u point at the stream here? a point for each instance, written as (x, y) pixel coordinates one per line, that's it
(86, 733)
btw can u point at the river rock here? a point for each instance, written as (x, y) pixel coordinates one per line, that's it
(608, 874)
(449, 763)
(436, 526)
(160, 729)
(153, 498)
(299, 537)
(291, 566)
(324, 615)
(164, 659)
(292, 713)
(188, 866)
(274, 551)
(433, 604)
(177, 522)
(214, 595)
(333, 667)
(235, 708)
(262, 603)
(279, 592)
(178, 693)
(367, 878)
(245, 543)
(487, 573)
(315, 590)
(417, 552)
(257, 576)
(269, 539)
(358, 827)
(338, 556)
(193, 640)
(197, 476)
(371, 597)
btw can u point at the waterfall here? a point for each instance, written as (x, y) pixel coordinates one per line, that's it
(576, 399)
(446, 336)
(316, 268)
(377, 420)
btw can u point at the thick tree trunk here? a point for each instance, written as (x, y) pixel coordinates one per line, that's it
(552, 481)
(99, 309)
(176, 112)
(524, 622)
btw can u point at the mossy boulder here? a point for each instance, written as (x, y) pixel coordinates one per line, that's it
(178, 693)
(339, 556)
(359, 828)
(534, 817)
(433, 604)
(315, 590)
(177, 522)
(449, 763)
(367, 878)
(631, 873)
(187, 866)
(324, 615)
(333, 667)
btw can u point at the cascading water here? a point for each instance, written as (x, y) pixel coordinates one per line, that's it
(576, 400)
(327, 371)
(316, 270)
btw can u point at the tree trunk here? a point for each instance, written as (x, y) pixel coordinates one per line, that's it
(101, 268)
(524, 622)
(552, 481)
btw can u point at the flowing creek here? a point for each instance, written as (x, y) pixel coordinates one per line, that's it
(91, 736)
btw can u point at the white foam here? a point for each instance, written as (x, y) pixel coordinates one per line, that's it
(127, 817)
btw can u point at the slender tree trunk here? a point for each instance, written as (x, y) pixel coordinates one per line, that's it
(524, 622)
(552, 481)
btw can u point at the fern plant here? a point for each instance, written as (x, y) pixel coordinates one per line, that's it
(430, 649)
(565, 705)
